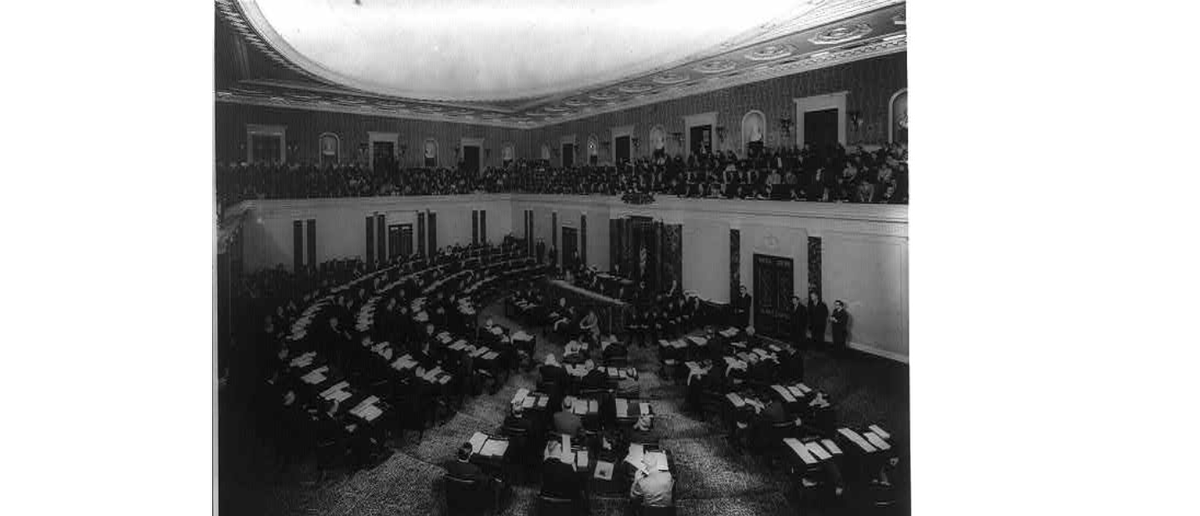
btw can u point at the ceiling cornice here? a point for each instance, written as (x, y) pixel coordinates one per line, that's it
(763, 72)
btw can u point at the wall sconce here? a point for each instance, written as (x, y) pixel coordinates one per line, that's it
(636, 142)
(785, 125)
(855, 119)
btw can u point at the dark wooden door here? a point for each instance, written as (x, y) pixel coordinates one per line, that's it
(568, 154)
(821, 127)
(570, 245)
(772, 295)
(701, 139)
(406, 239)
(393, 239)
(471, 159)
(622, 148)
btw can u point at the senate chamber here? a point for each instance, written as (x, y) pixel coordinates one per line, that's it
(541, 259)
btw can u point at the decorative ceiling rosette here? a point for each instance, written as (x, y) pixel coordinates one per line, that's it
(716, 66)
(841, 34)
(576, 102)
(669, 78)
(770, 52)
(604, 95)
(635, 88)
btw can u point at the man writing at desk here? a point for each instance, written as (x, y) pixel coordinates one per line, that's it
(653, 489)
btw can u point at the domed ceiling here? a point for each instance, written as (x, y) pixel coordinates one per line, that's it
(526, 63)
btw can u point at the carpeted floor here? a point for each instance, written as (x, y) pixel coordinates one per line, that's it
(712, 478)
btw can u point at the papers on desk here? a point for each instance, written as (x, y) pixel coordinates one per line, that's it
(477, 442)
(787, 395)
(581, 459)
(315, 376)
(528, 401)
(645, 408)
(479, 351)
(580, 408)
(494, 448)
(604, 470)
(496, 330)
(622, 407)
(856, 439)
(303, 360)
(818, 451)
(566, 443)
(364, 404)
(491, 355)
(634, 457)
(876, 441)
(879, 431)
(803, 388)
(404, 362)
(519, 397)
(795, 391)
(335, 388)
(522, 336)
(729, 333)
(736, 400)
(444, 337)
(662, 460)
(543, 401)
(458, 345)
(800, 450)
(697, 340)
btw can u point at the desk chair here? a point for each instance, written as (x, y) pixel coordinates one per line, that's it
(468, 497)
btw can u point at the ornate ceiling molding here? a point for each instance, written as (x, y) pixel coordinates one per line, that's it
(554, 115)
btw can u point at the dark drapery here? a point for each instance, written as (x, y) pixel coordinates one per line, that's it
(297, 245)
(369, 258)
(735, 263)
(432, 232)
(583, 239)
(421, 233)
(381, 238)
(312, 242)
(814, 267)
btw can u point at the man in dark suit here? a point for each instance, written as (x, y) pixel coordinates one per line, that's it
(566, 422)
(840, 318)
(817, 315)
(463, 469)
(559, 478)
(799, 318)
(741, 308)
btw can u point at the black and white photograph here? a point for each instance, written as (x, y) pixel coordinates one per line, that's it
(557, 258)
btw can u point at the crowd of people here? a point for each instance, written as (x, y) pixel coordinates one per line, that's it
(811, 173)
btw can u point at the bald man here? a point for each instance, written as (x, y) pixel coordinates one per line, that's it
(653, 489)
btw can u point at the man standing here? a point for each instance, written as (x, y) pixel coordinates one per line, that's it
(818, 313)
(799, 322)
(742, 308)
(840, 318)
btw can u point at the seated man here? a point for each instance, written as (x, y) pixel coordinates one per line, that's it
(565, 421)
(463, 469)
(653, 489)
(559, 478)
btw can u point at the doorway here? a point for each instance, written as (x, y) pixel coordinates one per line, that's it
(400, 240)
(382, 155)
(570, 246)
(568, 154)
(622, 148)
(471, 159)
(773, 283)
(821, 127)
(700, 137)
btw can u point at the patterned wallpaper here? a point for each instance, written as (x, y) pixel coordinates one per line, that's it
(814, 267)
(735, 262)
(304, 128)
(871, 83)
